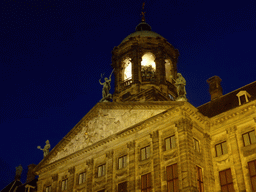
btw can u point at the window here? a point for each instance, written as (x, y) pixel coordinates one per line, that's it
(170, 143)
(64, 185)
(122, 162)
(226, 181)
(221, 149)
(146, 183)
(172, 178)
(145, 153)
(82, 177)
(122, 187)
(196, 145)
(200, 184)
(249, 138)
(252, 171)
(101, 170)
(48, 189)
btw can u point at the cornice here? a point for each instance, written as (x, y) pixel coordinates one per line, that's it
(233, 113)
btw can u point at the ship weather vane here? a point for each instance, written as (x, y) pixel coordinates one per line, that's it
(143, 13)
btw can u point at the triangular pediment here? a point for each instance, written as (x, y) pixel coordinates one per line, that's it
(102, 121)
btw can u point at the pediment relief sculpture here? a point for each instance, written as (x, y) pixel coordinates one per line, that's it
(108, 122)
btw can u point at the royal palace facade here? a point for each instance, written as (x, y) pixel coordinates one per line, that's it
(150, 138)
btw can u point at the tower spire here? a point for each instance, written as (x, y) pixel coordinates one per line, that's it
(143, 13)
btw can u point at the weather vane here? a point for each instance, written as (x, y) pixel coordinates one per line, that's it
(143, 13)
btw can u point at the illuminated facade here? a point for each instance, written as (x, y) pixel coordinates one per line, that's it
(145, 140)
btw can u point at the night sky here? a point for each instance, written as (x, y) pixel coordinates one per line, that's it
(52, 54)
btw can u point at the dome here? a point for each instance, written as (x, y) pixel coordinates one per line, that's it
(143, 29)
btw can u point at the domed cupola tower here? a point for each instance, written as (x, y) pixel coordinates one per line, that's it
(145, 67)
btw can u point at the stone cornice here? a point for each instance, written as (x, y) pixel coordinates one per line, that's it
(233, 113)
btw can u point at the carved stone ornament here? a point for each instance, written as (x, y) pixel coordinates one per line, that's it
(184, 124)
(71, 170)
(89, 163)
(131, 145)
(55, 177)
(109, 154)
(207, 136)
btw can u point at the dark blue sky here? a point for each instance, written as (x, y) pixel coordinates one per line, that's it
(52, 53)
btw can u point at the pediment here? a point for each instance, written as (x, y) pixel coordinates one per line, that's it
(103, 120)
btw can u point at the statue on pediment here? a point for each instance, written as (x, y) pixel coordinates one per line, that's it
(106, 96)
(180, 83)
(46, 148)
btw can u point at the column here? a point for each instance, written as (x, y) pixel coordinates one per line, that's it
(132, 174)
(89, 174)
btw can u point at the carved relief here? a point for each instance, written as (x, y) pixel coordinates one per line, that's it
(109, 154)
(55, 177)
(184, 124)
(107, 122)
(71, 170)
(89, 163)
(170, 156)
(131, 145)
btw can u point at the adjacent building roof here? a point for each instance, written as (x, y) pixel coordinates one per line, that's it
(228, 101)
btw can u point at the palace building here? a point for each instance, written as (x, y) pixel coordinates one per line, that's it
(149, 138)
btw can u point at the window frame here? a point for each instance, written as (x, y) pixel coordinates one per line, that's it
(103, 170)
(228, 184)
(120, 189)
(47, 188)
(147, 153)
(252, 175)
(248, 133)
(65, 186)
(83, 174)
(222, 151)
(196, 141)
(173, 178)
(200, 182)
(123, 163)
(170, 142)
(148, 182)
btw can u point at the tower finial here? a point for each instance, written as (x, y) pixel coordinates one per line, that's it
(143, 13)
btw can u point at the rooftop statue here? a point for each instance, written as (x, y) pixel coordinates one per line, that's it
(19, 170)
(180, 85)
(106, 96)
(46, 148)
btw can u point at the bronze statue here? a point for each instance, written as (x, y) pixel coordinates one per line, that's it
(46, 148)
(106, 96)
(19, 170)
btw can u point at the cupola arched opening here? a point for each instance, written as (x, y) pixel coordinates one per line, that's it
(127, 71)
(148, 67)
(169, 70)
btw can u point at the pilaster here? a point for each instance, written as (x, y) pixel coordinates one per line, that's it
(89, 174)
(54, 182)
(131, 184)
(156, 161)
(71, 178)
(110, 166)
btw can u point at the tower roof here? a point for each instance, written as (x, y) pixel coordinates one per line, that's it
(143, 29)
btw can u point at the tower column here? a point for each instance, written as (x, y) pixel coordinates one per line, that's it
(160, 65)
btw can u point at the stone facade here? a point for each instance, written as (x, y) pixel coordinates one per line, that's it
(146, 141)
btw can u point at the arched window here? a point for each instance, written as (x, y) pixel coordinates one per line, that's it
(168, 70)
(127, 69)
(148, 67)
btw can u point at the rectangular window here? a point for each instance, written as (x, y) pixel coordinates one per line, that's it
(48, 189)
(200, 184)
(122, 187)
(252, 171)
(146, 183)
(122, 162)
(82, 177)
(101, 170)
(221, 149)
(64, 185)
(170, 143)
(145, 153)
(172, 178)
(196, 145)
(226, 181)
(249, 138)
